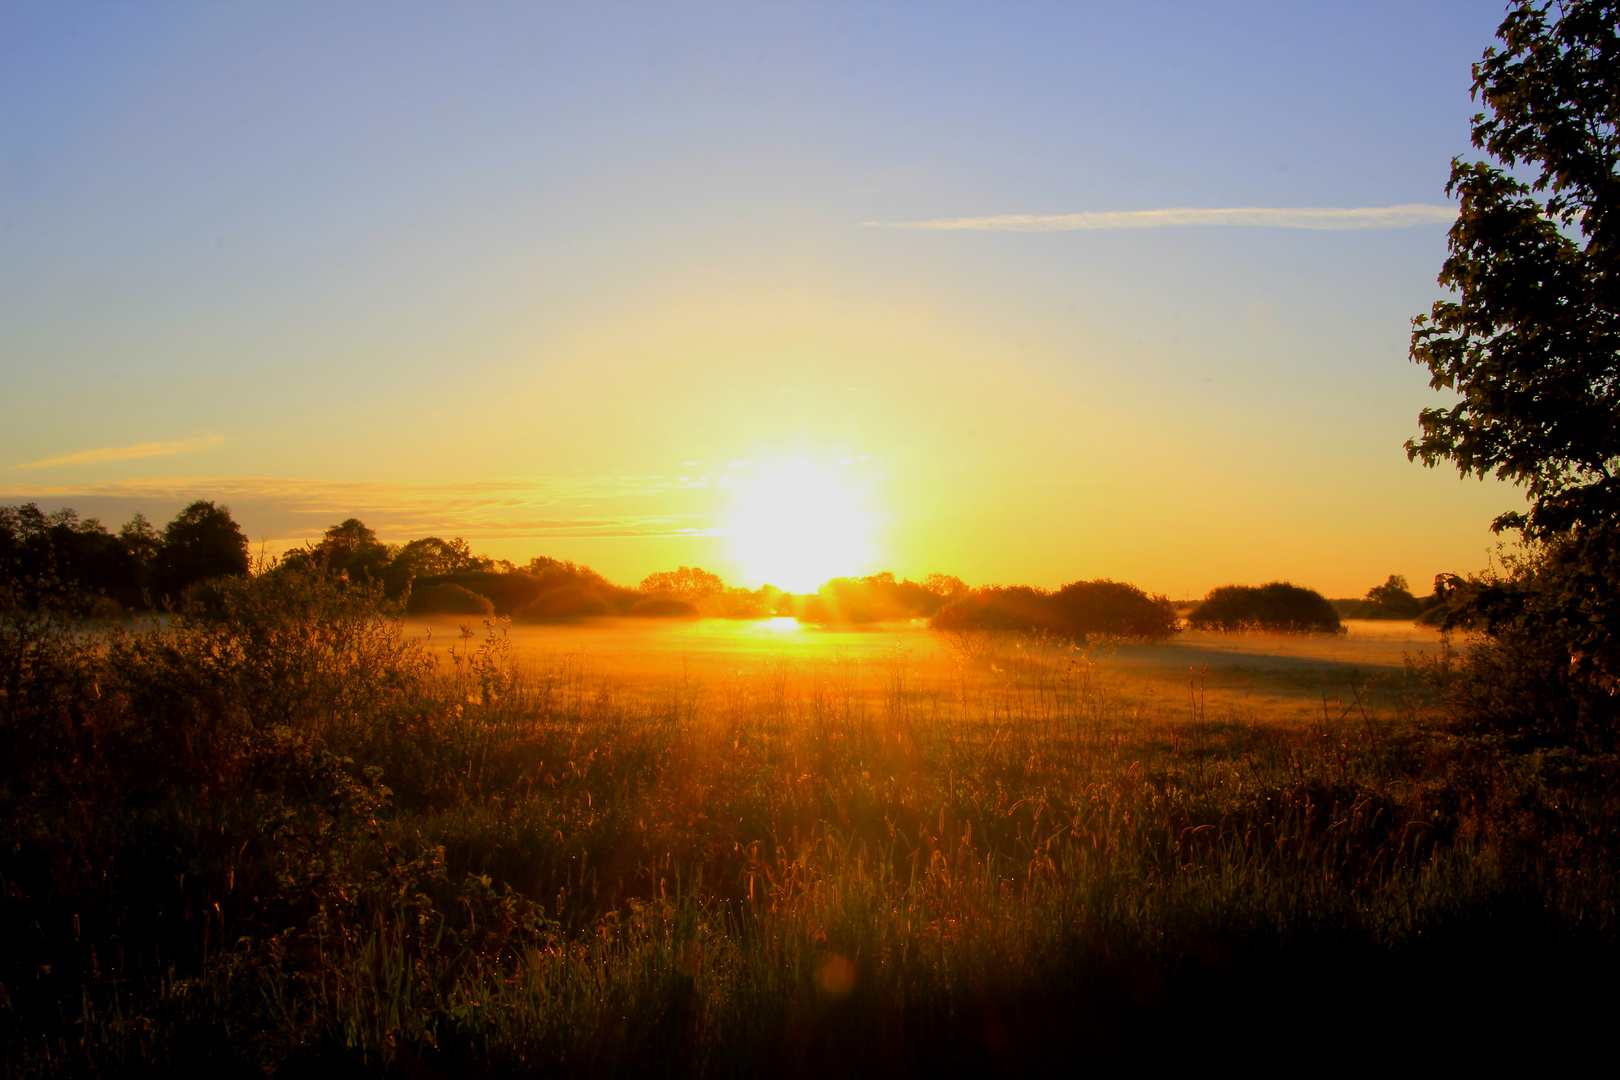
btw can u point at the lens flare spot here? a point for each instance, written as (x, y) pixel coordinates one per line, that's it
(836, 976)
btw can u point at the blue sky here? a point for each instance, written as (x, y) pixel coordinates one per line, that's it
(401, 250)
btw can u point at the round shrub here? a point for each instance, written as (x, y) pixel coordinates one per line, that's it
(566, 603)
(1112, 609)
(105, 607)
(665, 607)
(448, 599)
(1279, 606)
(1081, 611)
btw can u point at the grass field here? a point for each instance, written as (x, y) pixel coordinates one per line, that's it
(1256, 677)
(758, 849)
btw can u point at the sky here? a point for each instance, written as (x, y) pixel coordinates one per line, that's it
(609, 282)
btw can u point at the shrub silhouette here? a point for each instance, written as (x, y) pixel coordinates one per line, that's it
(665, 607)
(448, 598)
(522, 593)
(875, 598)
(1021, 609)
(506, 593)
(1112, 609)
(1081, 610)
(1279, 606)
(567, 602)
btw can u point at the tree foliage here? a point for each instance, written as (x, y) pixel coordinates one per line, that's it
(203, 542)
(689, 583)
(1530, 342)
(1531, 339)
(1392, 600)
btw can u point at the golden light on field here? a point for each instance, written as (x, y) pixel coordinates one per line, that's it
(796, 525)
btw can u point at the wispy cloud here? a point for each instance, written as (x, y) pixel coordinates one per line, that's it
(1329, 218)
(288, 509)
(124, 453)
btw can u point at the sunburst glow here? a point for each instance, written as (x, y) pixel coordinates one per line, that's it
(795, 526)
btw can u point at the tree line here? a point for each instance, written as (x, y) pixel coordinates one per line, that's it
(64, 558)
(68, 560)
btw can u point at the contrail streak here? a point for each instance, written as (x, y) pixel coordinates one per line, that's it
(1329, 218)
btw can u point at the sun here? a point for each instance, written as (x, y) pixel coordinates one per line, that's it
(797, 525)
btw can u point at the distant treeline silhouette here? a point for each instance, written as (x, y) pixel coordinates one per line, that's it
(65, 557)
(1393, 600)
(78, 562)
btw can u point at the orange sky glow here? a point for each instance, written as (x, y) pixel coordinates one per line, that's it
(776, 292)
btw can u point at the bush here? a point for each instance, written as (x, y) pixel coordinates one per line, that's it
(1113, 609)
(871, 599)
(1081, 610)
(1280, 606)
(665, 607)
(1546, 662)
(566, 603)
(448, 599)
(105, 607)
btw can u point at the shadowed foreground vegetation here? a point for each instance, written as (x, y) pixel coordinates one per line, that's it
(277, 837)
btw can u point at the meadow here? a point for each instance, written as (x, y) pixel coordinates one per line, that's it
(300, 835)
(1252, 677)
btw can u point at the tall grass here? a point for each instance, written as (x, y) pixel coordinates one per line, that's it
(282, 837)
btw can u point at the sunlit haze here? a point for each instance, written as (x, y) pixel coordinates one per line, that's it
(1020, 293)
(796, 525)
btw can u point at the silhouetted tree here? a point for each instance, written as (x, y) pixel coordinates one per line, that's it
(351, 548)
(1391, 600)
(689, 583)
(202, 542)
(1531, 339)
(63, 557)
(431, 557)
(945, 586)
(142, 542)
